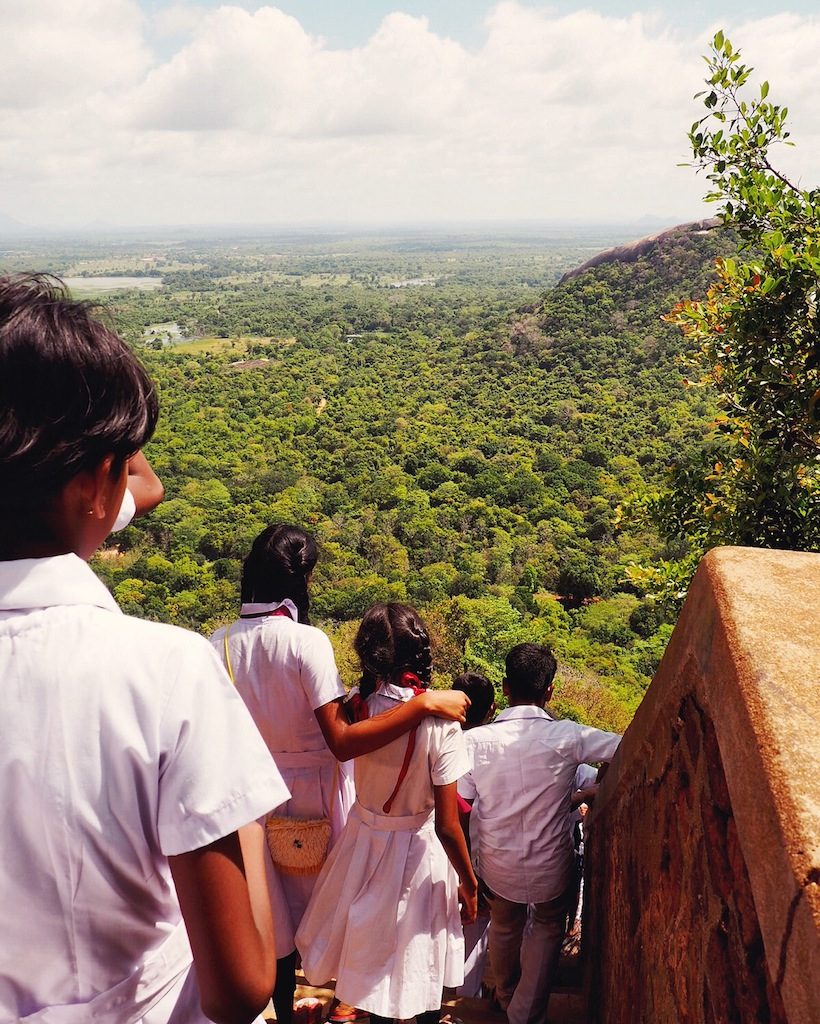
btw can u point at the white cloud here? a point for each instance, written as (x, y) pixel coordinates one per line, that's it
(253, 118)
(53, 52)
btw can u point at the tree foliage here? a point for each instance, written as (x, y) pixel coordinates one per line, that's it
(463, 445)
(756, 334)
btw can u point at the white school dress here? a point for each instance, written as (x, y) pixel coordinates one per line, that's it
(384, 919)
(122, 743)
(284, 670)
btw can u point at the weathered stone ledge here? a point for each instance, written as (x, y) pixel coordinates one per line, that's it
(704, 849)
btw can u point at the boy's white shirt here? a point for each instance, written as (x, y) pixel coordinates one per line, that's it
(522, 772)
(122, 742)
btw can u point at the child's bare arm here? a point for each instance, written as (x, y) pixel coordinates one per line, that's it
(145, 486)
(451, 836)
(584, 796)
(346, 740)
(223, 897)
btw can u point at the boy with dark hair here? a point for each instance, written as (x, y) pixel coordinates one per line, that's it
(530, 671)
(521, 840)
(482, 698)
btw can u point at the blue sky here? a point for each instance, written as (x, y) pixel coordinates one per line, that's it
(161, 112)
(350, 23)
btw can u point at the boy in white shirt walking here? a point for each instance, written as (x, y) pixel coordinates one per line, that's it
(521, 781)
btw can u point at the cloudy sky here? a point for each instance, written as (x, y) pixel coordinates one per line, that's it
(153, 112)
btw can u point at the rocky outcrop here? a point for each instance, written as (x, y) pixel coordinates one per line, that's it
(633, 250)
(703, 887)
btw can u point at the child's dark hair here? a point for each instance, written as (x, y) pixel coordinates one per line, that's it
(481, 693)
(278, 565)
(71, 392)
(530, 670)
(392, 639)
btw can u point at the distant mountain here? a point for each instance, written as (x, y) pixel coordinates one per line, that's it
(8, 223)
(602, 328)
(633, 250)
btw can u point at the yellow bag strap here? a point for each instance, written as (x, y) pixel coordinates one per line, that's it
(228, 656)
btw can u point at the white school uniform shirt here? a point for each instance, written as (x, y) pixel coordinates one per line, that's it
(122, 743)
(284, 670)
(521, 778)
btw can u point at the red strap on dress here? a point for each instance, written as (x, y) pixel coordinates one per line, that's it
(410, 681)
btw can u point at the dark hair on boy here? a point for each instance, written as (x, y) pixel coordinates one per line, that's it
(530, 670)
(71, 392)
(392, 639)
(278, 566)
(481, 693)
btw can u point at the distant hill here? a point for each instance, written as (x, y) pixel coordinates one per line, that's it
(600, 337)
(632, 251)
(623, 293)
(8, 223)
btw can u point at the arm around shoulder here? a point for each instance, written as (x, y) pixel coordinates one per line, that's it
(348, 740)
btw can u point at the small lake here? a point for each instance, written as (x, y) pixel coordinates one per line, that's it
(95, 285)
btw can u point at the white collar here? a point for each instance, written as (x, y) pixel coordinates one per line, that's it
(395, 692)
(523, 711)
(263, 608)
(27, 583)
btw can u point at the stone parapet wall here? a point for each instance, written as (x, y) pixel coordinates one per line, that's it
(703, 852)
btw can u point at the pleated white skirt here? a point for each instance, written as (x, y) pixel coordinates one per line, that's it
(383, 919)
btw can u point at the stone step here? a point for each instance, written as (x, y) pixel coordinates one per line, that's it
(566, 1006)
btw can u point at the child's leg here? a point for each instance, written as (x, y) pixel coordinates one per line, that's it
(285, 988)
(375, 1019)
(507, 921)
(540, 951)
(430, 1017)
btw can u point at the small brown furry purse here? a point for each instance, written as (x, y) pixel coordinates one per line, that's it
(298, 846)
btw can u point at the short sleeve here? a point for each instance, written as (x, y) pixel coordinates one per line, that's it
(450, 760)
(319, 676)
(466, 784)
(216, 773)
(595, 744)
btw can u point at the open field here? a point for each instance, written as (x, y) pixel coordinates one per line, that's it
(81, 287)
(237, 347)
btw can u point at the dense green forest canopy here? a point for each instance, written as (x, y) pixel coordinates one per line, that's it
(457, 431)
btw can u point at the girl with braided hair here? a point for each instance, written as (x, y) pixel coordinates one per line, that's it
(384, 916)
(285, 671)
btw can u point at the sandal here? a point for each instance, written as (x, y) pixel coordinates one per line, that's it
(308, 1010)
(344, 1014)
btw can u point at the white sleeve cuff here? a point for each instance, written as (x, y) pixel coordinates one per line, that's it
(126, 513)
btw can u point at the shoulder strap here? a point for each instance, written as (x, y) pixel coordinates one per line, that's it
(408, 753)
(228, 656)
